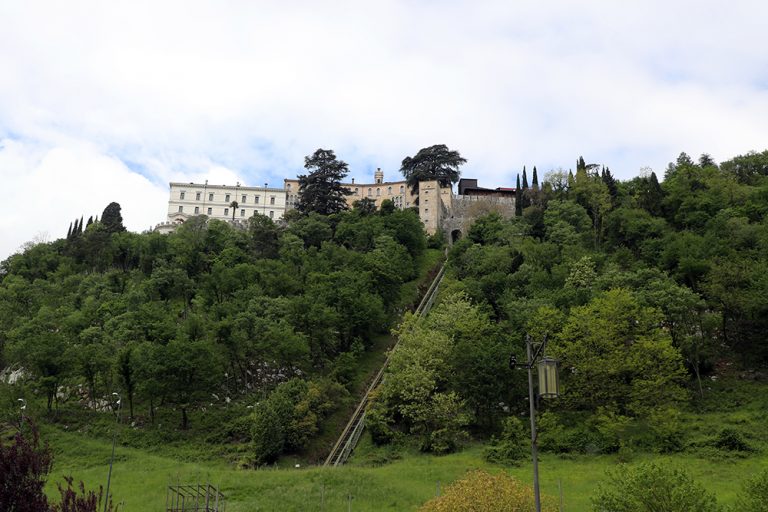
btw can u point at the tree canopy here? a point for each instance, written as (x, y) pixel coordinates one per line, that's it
(320, 190)
(433, 163)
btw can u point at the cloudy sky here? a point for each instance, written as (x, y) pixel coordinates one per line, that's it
(109, 101)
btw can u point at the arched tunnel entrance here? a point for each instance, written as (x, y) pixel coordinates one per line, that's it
(455, 236)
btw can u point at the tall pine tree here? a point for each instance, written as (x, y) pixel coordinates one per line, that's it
(111, 218)
(525, 179)
(518, 198)
(535, 180)
(320, 190)
(610, 182)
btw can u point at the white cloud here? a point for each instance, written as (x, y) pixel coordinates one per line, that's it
(174, 89)
(46, 189)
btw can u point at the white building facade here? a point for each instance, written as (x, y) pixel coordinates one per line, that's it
(225, 202)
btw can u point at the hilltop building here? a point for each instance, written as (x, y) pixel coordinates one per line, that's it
(439, 208)
(216, 201)
(397, 191)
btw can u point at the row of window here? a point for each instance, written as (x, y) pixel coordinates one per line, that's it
(226, 212)
(378, 191)
(227, 197)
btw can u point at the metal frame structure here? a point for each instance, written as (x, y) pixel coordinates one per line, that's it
(194, 498)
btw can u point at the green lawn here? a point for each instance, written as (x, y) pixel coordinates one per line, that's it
(140, 478)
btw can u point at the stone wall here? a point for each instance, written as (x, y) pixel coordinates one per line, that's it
(466, 209)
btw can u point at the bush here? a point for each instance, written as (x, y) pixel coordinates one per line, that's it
(290, 417)
(24, 467)
(512, 446)
(480, 491)
(731, 440)
(754, 497)
(668, 434)
(627, 490)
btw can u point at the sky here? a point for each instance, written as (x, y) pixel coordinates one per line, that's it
(110, 101)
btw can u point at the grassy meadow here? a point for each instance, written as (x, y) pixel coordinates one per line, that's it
(139, 477)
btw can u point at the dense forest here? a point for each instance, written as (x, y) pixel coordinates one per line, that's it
(643, 289)
(209, 314)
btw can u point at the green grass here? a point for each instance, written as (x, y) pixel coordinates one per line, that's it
(139, 478)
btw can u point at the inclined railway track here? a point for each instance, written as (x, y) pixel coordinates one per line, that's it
(354, 428)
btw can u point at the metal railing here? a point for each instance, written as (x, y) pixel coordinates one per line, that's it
(354, 428)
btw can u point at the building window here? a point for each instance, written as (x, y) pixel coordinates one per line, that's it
(389, 191)
(402, 188)
(226, 198)
(426, 201)
(210, 211)
(242, 213)
(226, 212)
(370, 192)
(426, 210)
(181, 195)
(272, 200)
(356, 192)
(197, 210)
(378, 192)
(271, 214)
(256, 199)
(255, 213)
(197, 196)
(210, 196)
(181, 209)
(244, 198)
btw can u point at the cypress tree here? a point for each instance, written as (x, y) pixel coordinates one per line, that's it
(571, 179)
(518, 198)
(69, 231)
(610, 182)
(111, 218)
(90, 221)
(535, 181)
(525, 180)
(80, 226)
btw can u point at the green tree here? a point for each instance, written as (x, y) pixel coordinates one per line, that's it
(126, 369)
(188, 373)
(320, 190)
(433, 163)
(364, 206)
(111, 219)
(618, 356)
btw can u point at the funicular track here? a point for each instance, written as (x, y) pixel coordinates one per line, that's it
(354, 428)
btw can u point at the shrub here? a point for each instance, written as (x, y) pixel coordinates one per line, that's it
(290, 416)
(512, 446)
(24, 466)
(731, 440)
(754, 497)
(627, 490)
(668, 434)
(480, 491)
